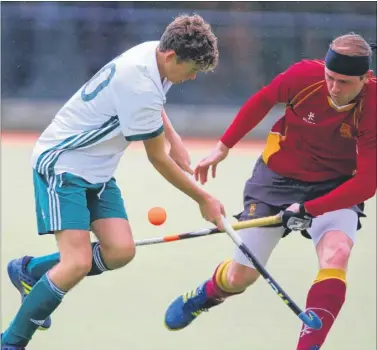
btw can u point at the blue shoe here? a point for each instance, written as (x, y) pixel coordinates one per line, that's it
(24, 282)
(9, 347)
(187, 307)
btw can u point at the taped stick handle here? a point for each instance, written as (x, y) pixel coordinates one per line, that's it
(266, 221)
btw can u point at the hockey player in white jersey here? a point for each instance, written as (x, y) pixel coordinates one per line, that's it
(75, 158)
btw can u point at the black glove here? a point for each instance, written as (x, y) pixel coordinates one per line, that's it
(297, 221)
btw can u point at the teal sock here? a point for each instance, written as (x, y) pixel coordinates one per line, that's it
(37, 267)
(41, 302)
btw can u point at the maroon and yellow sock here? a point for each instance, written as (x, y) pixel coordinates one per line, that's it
(325, 298)
(218, 287)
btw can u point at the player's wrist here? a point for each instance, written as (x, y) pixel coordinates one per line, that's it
(224, 143)
(222, 147)
(202, 197)
(301, 209)
(304, 210)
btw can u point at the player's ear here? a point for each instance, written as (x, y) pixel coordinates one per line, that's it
(170, 56)
(367, 76)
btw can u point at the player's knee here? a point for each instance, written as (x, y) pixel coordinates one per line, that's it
(240, 276)
(120, 255)
(335, 251)
(336, 256)
(78, 266)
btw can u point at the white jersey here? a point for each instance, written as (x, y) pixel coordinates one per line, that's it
(122, 103)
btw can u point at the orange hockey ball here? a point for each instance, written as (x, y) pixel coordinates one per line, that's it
(157, 216)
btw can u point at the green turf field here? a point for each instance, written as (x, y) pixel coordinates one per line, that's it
(125, 309)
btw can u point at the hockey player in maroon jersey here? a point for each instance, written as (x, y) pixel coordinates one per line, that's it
(318, 166)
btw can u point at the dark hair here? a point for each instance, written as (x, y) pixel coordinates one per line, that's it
(192, 39)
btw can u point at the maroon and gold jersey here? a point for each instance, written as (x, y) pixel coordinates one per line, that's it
(315, 140)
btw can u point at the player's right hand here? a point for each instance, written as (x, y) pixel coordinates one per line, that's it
(218, 154)
(212, 210)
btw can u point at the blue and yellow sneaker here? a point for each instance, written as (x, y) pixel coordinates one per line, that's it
(24, 282)
(187, 307)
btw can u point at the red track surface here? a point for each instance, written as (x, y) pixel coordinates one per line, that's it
(25, 138)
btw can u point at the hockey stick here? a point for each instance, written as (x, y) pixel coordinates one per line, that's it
(309, 317)
(266, 221)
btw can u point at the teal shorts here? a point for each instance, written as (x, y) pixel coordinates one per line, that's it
(68, 202)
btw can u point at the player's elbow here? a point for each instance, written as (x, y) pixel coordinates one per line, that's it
(157, 159)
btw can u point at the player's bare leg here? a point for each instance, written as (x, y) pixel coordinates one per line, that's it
(75, 259)
(47, 294)
(328, 292)
(115, 241)
(114, 250)
(239, 277)
(230, 278)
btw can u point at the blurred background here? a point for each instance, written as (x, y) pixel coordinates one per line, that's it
(49, 49)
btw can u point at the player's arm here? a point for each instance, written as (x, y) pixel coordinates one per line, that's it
(211, 208)
(249, 116)
(258, 106)
(170, 133)
(178, 151)
(139, 109)
(160, 159)
(362, 185)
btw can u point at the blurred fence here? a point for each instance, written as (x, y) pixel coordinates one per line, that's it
(50, 49)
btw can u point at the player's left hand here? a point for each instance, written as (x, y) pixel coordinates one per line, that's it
(180, 155)
(295, 217)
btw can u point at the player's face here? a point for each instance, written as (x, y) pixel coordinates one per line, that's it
(343, 88)
(179, 72)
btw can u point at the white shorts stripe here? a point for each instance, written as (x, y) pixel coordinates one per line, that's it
(58, 214)
(54, 205)
(51, 215)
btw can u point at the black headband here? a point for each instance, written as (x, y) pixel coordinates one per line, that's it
(347, 65)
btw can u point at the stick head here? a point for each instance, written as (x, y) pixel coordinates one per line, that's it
(311, 319)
